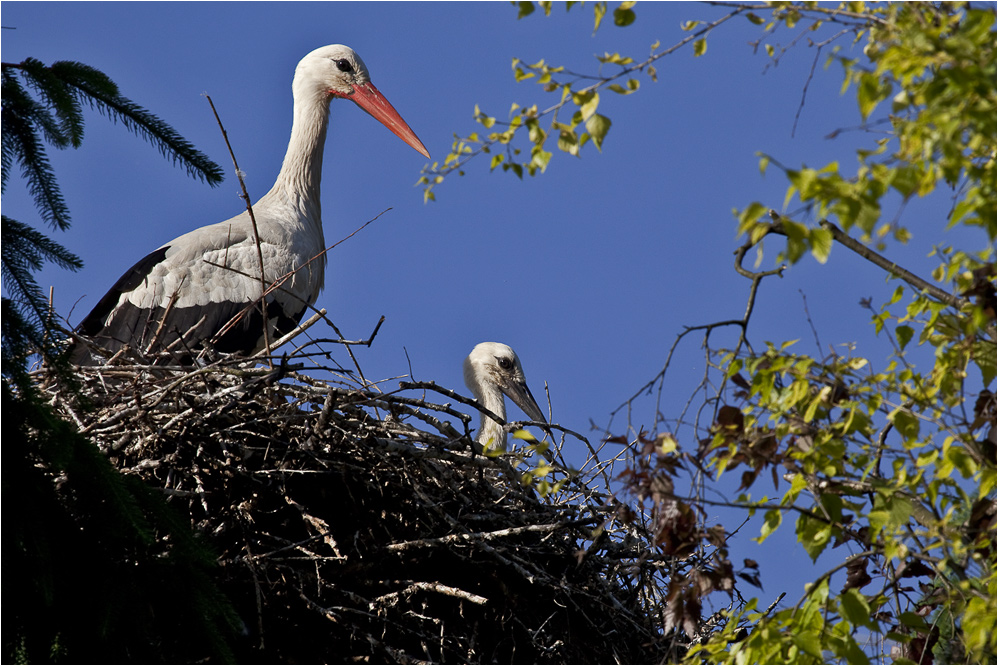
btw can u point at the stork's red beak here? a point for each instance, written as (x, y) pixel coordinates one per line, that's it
(371, 100)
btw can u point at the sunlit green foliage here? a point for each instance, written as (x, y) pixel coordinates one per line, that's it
(572, 121)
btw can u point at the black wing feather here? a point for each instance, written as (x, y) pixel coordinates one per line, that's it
(94, 322)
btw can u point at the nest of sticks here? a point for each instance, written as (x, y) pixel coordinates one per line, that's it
(354, 523)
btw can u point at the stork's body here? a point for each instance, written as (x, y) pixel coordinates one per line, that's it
(205, 286)
(491, 370)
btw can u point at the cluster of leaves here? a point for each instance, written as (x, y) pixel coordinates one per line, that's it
(54, 115)
(518, 145)
(537, 458)
(623, 13)
(937, 67)
(874, 467)
(675, 530)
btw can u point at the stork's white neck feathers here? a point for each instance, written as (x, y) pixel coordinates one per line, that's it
(296, 190)
(298, 182)
(490, 433)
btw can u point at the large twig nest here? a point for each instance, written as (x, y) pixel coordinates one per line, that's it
(355, 525)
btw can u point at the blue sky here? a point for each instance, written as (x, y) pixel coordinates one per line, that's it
(588, 272)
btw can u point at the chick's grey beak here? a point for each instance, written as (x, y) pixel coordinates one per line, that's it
(520, 394)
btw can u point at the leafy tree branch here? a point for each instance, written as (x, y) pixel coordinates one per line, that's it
(527, 119)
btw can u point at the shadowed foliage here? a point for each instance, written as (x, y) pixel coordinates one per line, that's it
(98, 567)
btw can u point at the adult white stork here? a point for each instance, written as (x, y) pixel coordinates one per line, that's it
(491, 370)
(204, 288)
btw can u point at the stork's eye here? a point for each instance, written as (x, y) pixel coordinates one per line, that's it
(505, 363)
(343, 65)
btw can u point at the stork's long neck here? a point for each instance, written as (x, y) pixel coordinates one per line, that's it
(297, 184)
(490, 433)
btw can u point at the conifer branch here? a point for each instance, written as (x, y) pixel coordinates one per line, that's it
(97, 90)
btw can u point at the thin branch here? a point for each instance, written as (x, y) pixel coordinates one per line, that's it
(892, 268)
(256, 232)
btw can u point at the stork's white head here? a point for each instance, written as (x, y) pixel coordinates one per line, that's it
(493, 369)
(337, 71)
(334, 69)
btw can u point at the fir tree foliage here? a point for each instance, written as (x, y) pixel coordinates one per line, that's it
(100, 568)
(57, 118)
(26, 317)
(42, 105)
(106, 572)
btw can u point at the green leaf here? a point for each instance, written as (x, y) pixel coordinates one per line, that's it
(814, 535)
(597, 126)
(480, 117)
(763, 163)
(536, 132)
(855, 609)
(906, 179)
(846, 648)
(615, 58)
(821, 244)
(587, 103)
(632, 86)
(959, 458)
(748, 217)
(913, 620)
(524, 435)
(905, 422)
(525, 9)
(623, 15)
(599, 11)
(521, 75)
(539, 159)
(983, 356)
(870, 92)
(796, 235)
(979, 627)
(772, 522)
(904, 335)
(808, 642)
(700, 47)
(899, 509)
(877, 519)
(568, 142)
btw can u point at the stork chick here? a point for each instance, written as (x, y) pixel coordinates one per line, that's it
(491, 370)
